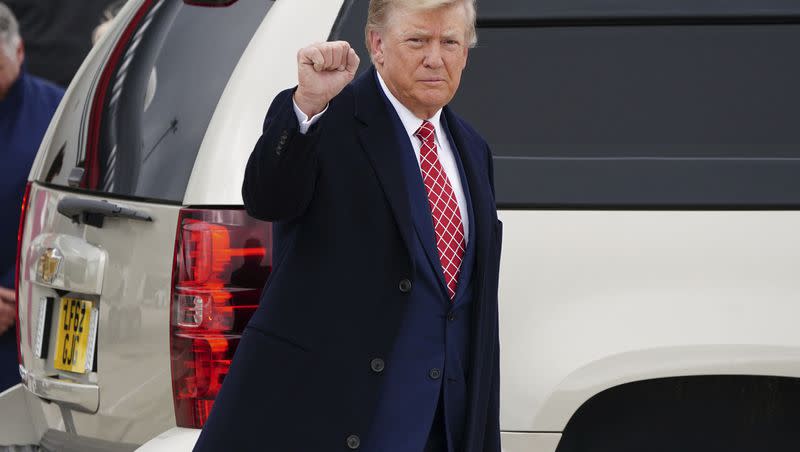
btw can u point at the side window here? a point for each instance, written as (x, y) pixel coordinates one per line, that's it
(678, 105)
(160, 91)
(684, 115)
(510, 11)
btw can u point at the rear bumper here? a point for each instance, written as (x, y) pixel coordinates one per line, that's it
(183, 440)
(176, 439)
(58, 441)
(80, 397)
(24, 424)
(23, 420)
(530, 442)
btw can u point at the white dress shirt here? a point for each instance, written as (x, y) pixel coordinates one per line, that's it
(411, 123)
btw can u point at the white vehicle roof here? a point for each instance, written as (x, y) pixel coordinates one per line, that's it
(264, 70)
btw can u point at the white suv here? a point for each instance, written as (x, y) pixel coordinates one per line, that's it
(646, 161)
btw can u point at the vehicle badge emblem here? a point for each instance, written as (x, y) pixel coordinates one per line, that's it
(48, 265)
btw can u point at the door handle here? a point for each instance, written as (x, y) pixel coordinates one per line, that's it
(93, 213)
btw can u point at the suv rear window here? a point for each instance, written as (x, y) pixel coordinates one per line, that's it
(669, 104)
(161, 95)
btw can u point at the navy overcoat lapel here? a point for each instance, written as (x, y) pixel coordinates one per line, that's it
(483, 361)
(476, 173)
(385, 154)
(383, 151)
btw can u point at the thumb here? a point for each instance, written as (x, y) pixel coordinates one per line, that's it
(352, 61)
(7, 295)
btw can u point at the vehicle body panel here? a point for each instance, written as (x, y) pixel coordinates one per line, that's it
(594, 299)
(529, 442)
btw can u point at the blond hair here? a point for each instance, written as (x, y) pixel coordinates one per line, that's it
(379, 11)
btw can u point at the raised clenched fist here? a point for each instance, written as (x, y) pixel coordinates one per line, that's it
(323, 70)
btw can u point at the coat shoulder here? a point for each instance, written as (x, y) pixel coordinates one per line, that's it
(468, 132)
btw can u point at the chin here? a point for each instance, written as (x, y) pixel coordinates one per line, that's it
(434, 101)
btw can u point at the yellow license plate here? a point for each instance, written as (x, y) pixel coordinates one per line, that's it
(72, 341)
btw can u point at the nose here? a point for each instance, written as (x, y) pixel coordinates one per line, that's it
(433, 58)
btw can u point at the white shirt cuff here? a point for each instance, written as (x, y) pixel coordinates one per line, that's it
(303, 119)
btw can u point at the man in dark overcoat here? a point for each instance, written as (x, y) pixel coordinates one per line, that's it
(377, 330)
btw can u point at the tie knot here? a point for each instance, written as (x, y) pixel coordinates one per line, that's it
(425, 132)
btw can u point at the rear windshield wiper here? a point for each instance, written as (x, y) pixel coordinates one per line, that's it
(93, 213)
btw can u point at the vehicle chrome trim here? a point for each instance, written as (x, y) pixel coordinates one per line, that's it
(80, 397)
(67, 263)
(92, 341)
(41, 325)
(48, 265)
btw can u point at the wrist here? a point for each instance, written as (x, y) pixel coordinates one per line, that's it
(309, 107)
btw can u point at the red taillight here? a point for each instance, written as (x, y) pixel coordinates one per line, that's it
(17, 282)
(222, 260)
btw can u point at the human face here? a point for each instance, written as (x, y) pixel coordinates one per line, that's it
(9, 68)
(421, 54)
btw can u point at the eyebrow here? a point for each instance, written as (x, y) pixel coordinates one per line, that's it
(448, 34)
(416, 32)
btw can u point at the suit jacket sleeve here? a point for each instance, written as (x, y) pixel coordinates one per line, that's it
(281, 172)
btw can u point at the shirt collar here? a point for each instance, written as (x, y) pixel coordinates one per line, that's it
(410, 121)
(15, 91)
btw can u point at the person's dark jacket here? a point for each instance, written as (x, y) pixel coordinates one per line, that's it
(25, 113)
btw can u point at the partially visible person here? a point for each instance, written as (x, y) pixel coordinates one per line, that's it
(105, 21)
(57, 34)
(105, 25)
(27, 104)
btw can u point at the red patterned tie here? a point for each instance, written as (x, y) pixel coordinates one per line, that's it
(444, 208)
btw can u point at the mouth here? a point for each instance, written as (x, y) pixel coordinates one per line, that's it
(432, 81)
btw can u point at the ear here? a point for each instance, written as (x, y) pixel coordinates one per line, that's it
(376, 44)
(21, 52)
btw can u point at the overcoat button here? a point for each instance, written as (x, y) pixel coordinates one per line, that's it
(451, 317)
(405, 286)
(377, 365)
(353, 442)
(435, 374)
